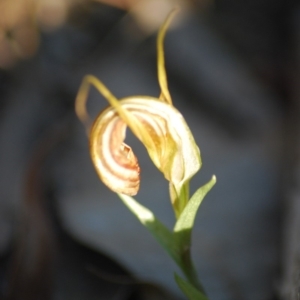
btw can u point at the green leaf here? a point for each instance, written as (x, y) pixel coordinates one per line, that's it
(185, 222)
(163, 235)
(189, 290)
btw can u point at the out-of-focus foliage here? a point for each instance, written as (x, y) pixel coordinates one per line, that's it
(21, 21)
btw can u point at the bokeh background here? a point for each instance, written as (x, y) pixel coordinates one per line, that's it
(233, 71)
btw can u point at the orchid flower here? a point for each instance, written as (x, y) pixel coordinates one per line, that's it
(155, 122)
(170, 144)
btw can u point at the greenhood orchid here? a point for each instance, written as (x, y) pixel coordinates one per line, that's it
(155, 122)
(170, 144)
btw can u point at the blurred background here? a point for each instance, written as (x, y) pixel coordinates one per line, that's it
(233, 72)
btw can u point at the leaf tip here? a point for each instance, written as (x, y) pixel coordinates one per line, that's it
(214, 179)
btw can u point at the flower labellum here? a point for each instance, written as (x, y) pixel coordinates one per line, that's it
(154, 121)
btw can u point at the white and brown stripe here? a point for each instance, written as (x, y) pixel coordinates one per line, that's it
(167, 140)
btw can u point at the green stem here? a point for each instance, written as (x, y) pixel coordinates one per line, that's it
(179, 201)
(184, 196)
(189, 270)
(186, 263)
